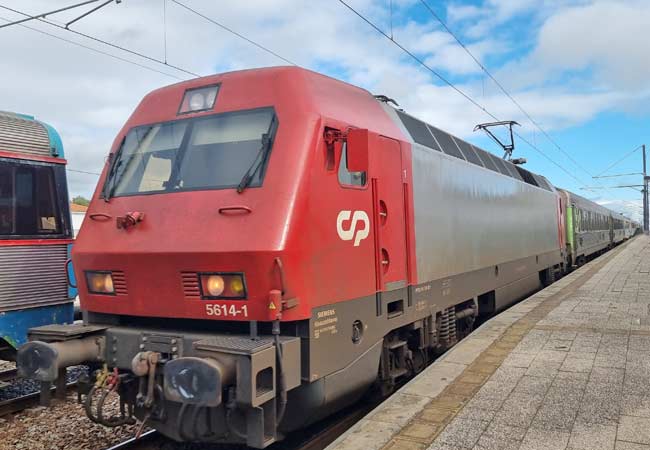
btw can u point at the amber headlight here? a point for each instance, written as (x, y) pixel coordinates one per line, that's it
(100, 283)
(222, 285)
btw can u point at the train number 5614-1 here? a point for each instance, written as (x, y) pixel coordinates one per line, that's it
(226, 311)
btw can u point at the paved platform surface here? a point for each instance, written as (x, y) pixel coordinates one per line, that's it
(568, 368)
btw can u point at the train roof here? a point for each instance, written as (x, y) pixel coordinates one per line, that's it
(436, 139)
(584, 203)
(311, 92)
(23, 134)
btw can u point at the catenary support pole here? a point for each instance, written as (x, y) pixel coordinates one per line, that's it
(645, 194)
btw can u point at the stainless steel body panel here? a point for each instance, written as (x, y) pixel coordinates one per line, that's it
(468, 217)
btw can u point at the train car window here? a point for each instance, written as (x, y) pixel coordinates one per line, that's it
(211, 152)
(446, 142)
(469, 152)
(28, 201)
(6, 200)
(418, 130)
(347, 178)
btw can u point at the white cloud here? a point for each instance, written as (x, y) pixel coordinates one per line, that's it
(606, 36)
(89, 96)
(632, 209)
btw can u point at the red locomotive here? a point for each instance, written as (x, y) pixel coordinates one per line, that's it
(265, 245)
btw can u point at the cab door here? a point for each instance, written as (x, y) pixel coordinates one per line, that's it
(387, 179)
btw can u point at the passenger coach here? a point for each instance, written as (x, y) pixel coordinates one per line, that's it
(35, 232)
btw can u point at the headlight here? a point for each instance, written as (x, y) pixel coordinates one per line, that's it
(198, 99)
(223, 285)
(100, 283)
(214, 285)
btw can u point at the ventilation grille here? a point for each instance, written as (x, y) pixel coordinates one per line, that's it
(23, 136)
(191, 284)
(33, 276)
(119, 282)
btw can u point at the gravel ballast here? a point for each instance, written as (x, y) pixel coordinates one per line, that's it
(64, 426)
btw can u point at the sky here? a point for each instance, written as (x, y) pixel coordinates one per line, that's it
(576, 72)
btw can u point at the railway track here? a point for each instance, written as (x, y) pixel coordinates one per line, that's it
(316, 437)
(134, 443)
(327, 431)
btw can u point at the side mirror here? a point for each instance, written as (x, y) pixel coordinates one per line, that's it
(357, 150)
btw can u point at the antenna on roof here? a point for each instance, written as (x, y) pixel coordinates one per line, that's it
(507, 148)
(385, 99)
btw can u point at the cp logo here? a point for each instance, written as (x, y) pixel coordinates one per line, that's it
(352, 232)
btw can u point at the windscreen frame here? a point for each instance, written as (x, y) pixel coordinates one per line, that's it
(60, 197)
(275, 122)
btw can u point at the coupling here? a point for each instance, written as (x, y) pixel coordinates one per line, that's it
(42, 361)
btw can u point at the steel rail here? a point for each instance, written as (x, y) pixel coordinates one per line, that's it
(133, 442)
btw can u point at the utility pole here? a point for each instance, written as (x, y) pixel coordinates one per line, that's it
(645, 194)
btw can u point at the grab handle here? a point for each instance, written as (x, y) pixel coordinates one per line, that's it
(96, 216)
(240, 208)
(67, 273)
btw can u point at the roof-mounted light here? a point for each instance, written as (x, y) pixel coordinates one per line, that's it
(198, 99)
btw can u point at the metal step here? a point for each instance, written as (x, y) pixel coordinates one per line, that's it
(396, 373)
(396, 344)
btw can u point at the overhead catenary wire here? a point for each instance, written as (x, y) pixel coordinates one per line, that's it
(465, 95)
(87, 13)
(49, 13)
(500, 86)
(165, 28)
(615, 163)
(262, 47)
(235, 33)
(619, 175)
(110, 44)
(82, 171)
(454, 87)
(506, 93)
(78, 44)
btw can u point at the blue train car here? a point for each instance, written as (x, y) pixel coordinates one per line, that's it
(35, 230)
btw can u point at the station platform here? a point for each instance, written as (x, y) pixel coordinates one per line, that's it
(567, 368)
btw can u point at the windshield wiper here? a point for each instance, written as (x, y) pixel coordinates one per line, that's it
(257, 163)
(114, 178)
(110, 177)
(259, 160)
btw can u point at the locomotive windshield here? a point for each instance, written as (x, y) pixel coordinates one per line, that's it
(215, 152)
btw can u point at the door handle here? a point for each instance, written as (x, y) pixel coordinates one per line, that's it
(241, 208)
(95, 216)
